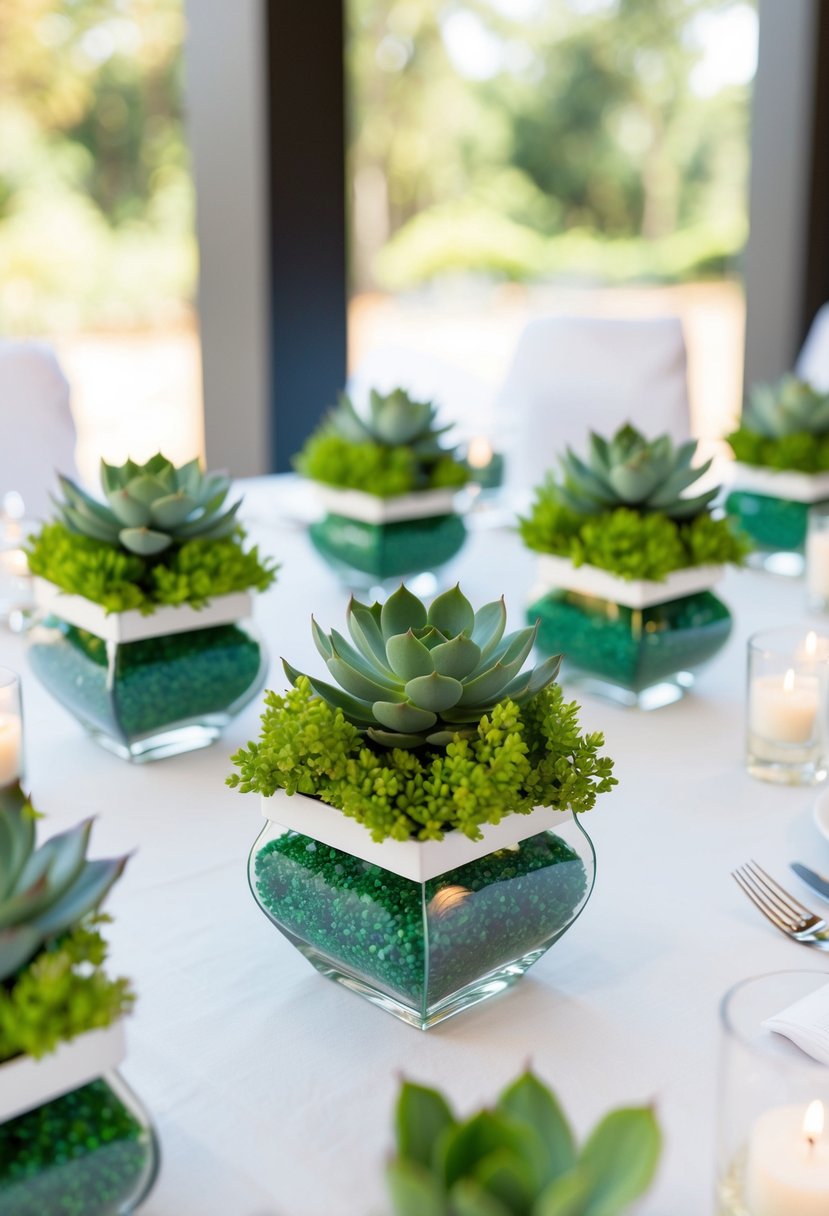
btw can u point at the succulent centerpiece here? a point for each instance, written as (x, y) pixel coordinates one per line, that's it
(73, 1137)
(422, 845)
(144, 598)
(782, 453)
(518, 1158)
(629, 552)
(387, 485)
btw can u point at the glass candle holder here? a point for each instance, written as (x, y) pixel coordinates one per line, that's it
(773, 1108)
(817, 558)
(11, 728)
(16, 583)
(788, 685)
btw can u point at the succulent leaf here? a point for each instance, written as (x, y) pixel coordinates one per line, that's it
(631, 471)
(150, 507)
(790, 407)
(417, 677)
(43, 891)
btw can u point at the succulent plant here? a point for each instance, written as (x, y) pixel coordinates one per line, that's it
(393, 420)
(632, 471)
(789, 407)
(151, 506)
(519, 1158)
(43, 891)
(416, 676)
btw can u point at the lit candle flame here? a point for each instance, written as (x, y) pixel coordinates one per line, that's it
(811, 644)
(813, 1122)
(479, 454)
(788, 681)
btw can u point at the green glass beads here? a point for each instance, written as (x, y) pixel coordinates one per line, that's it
(155, 697)
(630, 653)
(774, 524)
(91, 1152)
(423, 951)
(389, 550)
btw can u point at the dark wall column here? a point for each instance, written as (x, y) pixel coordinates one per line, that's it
(816, 287)
(307, 217)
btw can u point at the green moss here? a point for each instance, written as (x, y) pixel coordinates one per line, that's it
(193, 573)
(62, 993)
(376, 468)
(801, 452)
(83, 1154)
(517, 760)
(136, 688)
(626, 543)
(418, 945)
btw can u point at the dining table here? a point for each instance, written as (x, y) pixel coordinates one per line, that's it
(272, 1088)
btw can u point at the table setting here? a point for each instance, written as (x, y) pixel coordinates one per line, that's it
(536, 900)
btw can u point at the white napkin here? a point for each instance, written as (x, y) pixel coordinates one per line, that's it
(806, 1023)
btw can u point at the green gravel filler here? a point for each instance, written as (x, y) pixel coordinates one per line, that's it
(83, 1154)
(132, 689)
(420, 942)
(772, 523)
(388, 550)
(632, 647)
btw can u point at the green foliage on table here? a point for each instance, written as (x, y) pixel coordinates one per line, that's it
(625, 542)
(519, 1158)
(44, 891)
(519, 758)
(784, 426)
(394, 449)
(629, 470)
(63, 992)
(150, 507)
(416, 675)
(192, 574)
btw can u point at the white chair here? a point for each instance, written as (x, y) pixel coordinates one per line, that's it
(570, 375)
(813, 360)
(37, 432)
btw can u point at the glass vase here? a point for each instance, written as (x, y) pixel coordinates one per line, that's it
(644, 657)
(423, 948)
(365, 554)
(773, 1107)
(156, 695)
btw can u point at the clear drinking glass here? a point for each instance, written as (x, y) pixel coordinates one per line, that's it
(817, 558)
(788, 684)
(772, 1140)
(11, 728)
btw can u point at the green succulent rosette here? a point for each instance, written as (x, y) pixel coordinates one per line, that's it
(784, 426)
(413, 675)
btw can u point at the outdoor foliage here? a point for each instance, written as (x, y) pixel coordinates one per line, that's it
(626, 543)
(581, 148)
(518, 759)
(519, 1158)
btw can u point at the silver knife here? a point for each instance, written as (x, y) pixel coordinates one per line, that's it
(813, 880)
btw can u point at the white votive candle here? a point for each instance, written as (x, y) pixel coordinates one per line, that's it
(11, 739)
(787, 1167)
(784, 709)
(817, 564)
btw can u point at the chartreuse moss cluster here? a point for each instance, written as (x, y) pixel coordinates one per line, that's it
(62, 993)
(517, 759)
(625, 509)
(164, 536)
(394, 449)
(784, 426)
(519, 1158)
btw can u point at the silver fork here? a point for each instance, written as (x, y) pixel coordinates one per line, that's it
(784, 911)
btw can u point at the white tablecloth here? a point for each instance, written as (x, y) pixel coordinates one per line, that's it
(273, 1088)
